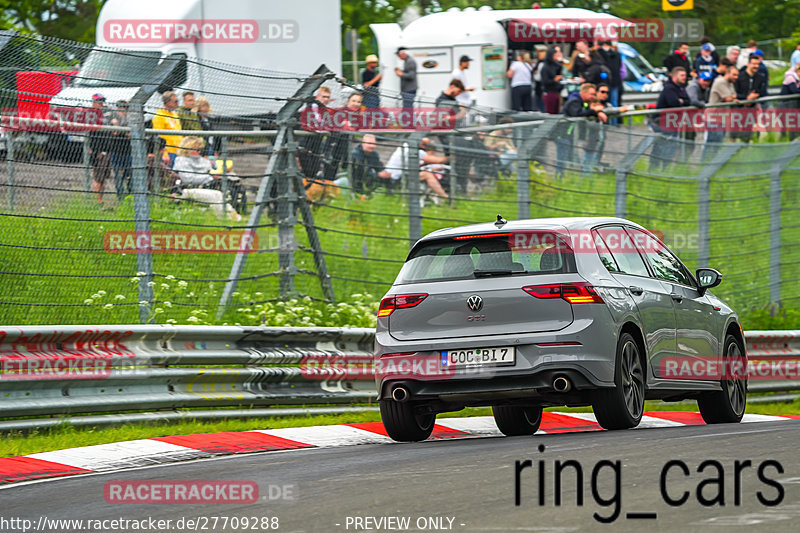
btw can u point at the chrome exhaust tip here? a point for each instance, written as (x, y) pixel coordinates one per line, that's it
(561, 384)
(400, 394)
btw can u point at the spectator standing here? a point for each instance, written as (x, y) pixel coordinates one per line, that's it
(744, 55)
(367, 171)
(732, 53)
(597, 135)
(338, 145)
(795, 59)
(100, 147)
(791, 85)
(752, 84)
(679, 58)
(460, 73)
(705, 61)
(723, 89)
(581, 59)
(121, 151)
(673, 95)
(167, 118)
(310, 157)
(699, 88)
(613, 61)
(722, 68)
(538, 102)
(208, 123)
(714, 54)
(585, 106)
(762, 67)
(520, 74)
(597, 72)
(371, 81)
(408, 77)
(551, 80)
(791, 81)
(187, 113)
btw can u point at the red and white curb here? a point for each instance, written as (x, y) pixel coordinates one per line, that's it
(161, 450)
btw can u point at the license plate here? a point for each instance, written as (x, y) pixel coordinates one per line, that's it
(504, 355)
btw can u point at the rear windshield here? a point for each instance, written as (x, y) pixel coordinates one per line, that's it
(506, 254)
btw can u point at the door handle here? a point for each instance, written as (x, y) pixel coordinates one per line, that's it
(677, 297)
(636, 290)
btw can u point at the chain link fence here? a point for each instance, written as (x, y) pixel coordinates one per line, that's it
(118, 205)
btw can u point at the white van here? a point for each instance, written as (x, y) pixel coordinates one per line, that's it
(261, 35)
(438, 40)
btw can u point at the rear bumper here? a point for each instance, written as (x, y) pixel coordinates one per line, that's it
(539, 360)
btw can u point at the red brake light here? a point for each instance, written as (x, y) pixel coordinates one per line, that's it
(388, 305)
(481, 236)
(574, 293)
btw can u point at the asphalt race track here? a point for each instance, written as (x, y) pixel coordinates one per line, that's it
(469, 485)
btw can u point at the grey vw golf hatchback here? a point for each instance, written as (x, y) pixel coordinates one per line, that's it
(528, 314)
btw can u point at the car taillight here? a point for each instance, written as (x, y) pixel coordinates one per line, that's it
(574, 293)
(388, 305)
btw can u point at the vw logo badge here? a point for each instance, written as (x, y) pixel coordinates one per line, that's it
(475, 303)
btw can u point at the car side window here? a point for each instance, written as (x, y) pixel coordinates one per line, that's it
(621, 249)
(666, 266)
(604, 253)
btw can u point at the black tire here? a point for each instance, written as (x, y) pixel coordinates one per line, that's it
(514, 420)
(727, 405)
(403, 424)
(622, 407)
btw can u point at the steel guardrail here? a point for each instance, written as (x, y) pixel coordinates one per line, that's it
(163, 367)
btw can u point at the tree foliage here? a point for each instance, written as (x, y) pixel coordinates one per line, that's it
(67, 19)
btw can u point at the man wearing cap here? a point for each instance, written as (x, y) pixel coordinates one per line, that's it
(463, 98)
(371, 80)
(408, 77)
(698, 89)
(705, 61)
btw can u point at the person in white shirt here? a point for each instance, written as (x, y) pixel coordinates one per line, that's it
(520, 75)
(429, 164)
(463, 99)
(795, 59)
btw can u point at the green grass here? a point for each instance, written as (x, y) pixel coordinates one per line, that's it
(16, 444)
(366, 240)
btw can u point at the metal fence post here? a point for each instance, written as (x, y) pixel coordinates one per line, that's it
(286, 212)
(139, 182)
(621, 175)
(704, 201)
(775, 212)
(10, 164)
(141, 207)
(413, 187)
(224, 155)
(527, 153)
(523, 178)
(284, 120)
(87, 164)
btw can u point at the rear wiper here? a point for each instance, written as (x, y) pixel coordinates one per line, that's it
(492, 272)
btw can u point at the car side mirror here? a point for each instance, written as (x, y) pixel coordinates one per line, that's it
(707, 278)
